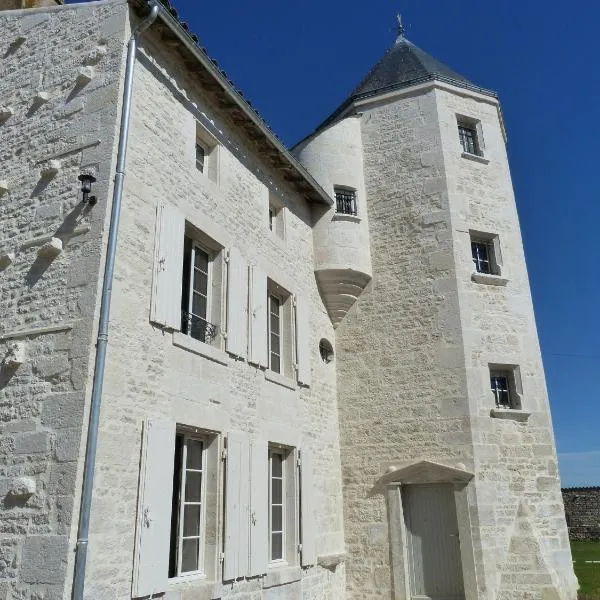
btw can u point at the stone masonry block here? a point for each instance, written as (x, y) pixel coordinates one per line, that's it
(67, 444)
(44, 559)
(63, 410)
(51, 366)
(32, 443)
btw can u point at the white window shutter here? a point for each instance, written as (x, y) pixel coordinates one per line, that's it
(498, 253)
(151, 566)
(165, 308)
(237, 304)
(258, 351)
(237, 506)
(259, 507)
(308, 525)
(303, 353)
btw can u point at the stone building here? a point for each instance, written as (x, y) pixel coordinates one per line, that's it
(234, 371)
(582, 509)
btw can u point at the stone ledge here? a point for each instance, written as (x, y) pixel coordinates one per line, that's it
(488, 279)
(280, 380)
(281, 575)
(191, 345)
(476, 158)
(343, 217)
(331, 561)
(512, 414)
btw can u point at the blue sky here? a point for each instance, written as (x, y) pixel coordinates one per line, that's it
(297, 61)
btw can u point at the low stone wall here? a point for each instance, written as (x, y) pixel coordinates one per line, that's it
(582, 509)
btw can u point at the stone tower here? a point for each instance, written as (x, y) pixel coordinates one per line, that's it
(451, 488)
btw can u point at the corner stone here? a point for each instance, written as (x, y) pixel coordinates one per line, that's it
(44, 559)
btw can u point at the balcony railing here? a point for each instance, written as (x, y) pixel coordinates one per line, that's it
(198, 328)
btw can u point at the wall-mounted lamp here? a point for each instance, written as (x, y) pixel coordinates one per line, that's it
(86, 187)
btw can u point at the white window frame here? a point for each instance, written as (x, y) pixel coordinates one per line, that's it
(278, 562)
(196, 246)
(276, 217)
(202, 166)
(514, 382)
(479, 143)
(209, 167)
(181, 503)
(280, 302)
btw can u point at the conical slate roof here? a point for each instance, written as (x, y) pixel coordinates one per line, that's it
(405, 64)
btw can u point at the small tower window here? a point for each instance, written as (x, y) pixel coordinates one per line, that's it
(345, 200)
(500, 389)
(485, 252)
(481, 252)
(506, 386)
(470, 135)
(200, 157)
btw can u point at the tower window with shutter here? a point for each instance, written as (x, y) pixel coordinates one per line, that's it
(485, 252)
(470, 136)
(188, 514)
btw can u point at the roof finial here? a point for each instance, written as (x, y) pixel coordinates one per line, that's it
(401, 30)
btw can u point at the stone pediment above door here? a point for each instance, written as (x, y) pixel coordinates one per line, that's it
(423, 471)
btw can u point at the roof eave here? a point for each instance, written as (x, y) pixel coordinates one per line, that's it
(250, 121)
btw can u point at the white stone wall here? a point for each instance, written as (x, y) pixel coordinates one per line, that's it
(516, 468)
(50, 115)
(149, 377)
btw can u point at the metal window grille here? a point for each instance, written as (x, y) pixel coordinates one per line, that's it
(482, 256)
(200, 157)
(276, 506)
(275, 334)
(196, 307)
(499, 383)
(345, 201)
(468, 139)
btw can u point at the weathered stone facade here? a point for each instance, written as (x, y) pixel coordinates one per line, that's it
(582, 509)
(407, 400)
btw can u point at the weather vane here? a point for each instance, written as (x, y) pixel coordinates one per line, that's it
(401, 30)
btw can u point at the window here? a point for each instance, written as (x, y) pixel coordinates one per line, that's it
(188, 514)
(275, 334)
(276, 506)
(345, 200)
(279, 334)
(326, 351)
(485, 252)
(202, 278)
(276, 216)
(206, 153)
(505, 385)
(470, 136)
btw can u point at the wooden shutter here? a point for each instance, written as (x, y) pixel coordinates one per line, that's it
(498, 254)
(258, 351)
(151, 564)
(237, 506)
(259, 507)
(308, 525)
(165, 306)
(237, 304)
(303, 353)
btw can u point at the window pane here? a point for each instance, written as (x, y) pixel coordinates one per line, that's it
(276, 546)
(276, 465)
(201, 261)
(189, 556)
(277, 518)
(193, 486)
(200, 282)
(276, 491)
(191, 520)
(199, 305)
(194, 454)
(275, 363)
(275, 348)
(275, 323)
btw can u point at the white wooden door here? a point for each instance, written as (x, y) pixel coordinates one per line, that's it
(433, 544)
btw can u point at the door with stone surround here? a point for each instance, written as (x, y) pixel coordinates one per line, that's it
(435, 567)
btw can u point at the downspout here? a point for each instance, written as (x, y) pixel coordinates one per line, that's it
(96, 401)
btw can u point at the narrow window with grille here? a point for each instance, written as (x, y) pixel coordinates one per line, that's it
(482, 253)
(345, 201)
(500, 382)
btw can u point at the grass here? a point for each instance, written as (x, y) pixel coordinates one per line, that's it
(588, 574)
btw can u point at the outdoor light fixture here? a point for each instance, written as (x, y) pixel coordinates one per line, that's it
(86, 187)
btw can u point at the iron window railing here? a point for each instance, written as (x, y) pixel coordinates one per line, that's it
(198, 328)
(345, 200)
(468, 140)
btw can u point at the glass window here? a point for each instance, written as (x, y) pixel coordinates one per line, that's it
(200, 157)
(500, 389)
(276, 505)
(275, 334)
(345, 201)
(468, 139)
(482, 256)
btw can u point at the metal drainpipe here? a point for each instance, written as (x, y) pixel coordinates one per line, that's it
(92, 435)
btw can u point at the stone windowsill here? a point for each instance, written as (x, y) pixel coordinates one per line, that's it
(281, 575)
(480, 159)
(280, 380)
(343, 217)
(512, 414)
(489, 279)
(331, 561)
(191, 345)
